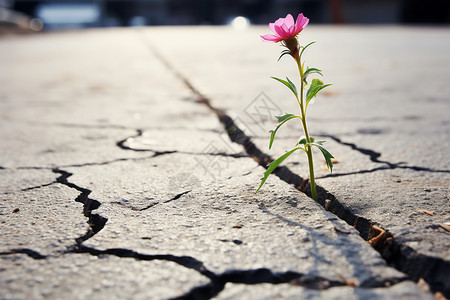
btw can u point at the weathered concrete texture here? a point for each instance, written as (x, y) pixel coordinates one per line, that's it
(16, 180)
(382, 119)
(408, 221)
(227, 227)
(44, 146)
(404, 290)
(46, 220)
(116, 120)
(83, 276)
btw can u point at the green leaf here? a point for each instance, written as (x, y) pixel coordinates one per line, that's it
(282, 120)
(272, 137)
(320, 142)
(304, 48)
(283, 117)
(293, 86)
(326, 155)
(283, 53)
(310, 71)
(273, 165)
(316, 86)
(302, 142)
(289, 84)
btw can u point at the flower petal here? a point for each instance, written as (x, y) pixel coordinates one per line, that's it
(279, 22)
(304, 23)
(286, 30)
(289, 21)
(271, 38)
(272, 27)
(280, 30)
(301, 23)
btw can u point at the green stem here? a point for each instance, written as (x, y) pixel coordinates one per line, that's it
(305, 129)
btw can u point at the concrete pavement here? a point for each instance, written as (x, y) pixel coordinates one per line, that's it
(130, 158)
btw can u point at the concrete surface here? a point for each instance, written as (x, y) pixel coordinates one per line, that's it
(123, 175)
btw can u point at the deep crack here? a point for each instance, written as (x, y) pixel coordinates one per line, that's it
(31, 253)
(399, 258)
(218, 281)
(185, 261)
(95, 221)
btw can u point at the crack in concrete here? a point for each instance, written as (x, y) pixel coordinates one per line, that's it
(434, 270)
(374, 157)
(95, 221)
(363, 225)
(121, 145)
(258, 276)
(176, 197)
(94, 163)
(37, 186)
(218, 281)
(31, 253)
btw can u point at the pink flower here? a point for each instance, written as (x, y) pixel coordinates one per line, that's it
(285, 29)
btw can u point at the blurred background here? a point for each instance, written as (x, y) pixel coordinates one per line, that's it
(37, 15)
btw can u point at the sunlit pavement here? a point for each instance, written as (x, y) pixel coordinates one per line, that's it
(130, 160)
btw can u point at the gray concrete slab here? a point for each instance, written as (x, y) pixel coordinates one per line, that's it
(83, 276)
(112, 156)
(404, 290)
(41, 220)
(382, 125)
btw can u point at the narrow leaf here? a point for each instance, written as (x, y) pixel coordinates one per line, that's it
(310, 71)
(327, 156)
(275, 164)
(272, 137)
(283, 117)
(304, 48)
(282, 120)
(283, 53)
(288, 84)
(293, 86)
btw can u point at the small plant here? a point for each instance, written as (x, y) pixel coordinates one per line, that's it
(285, 32)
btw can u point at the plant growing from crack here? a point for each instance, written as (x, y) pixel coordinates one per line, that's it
(286, 31)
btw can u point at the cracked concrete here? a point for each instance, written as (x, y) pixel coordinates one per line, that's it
(378, 148)
(84, 276)
(119, 180)
(41, 220)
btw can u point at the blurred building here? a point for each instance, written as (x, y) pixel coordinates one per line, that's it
(90, 13)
